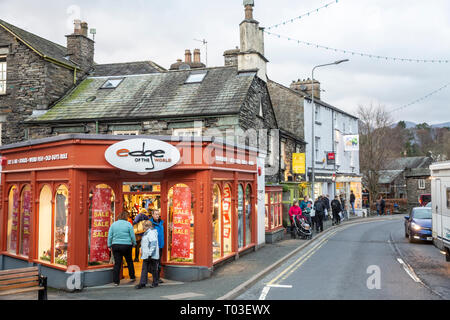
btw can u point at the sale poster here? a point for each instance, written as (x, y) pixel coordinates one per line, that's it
(100, 223)
(15, 221)
(26, 222)
(181, 239)
(226, 211)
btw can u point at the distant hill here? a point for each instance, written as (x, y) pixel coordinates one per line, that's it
(410, 125)
(441, 125)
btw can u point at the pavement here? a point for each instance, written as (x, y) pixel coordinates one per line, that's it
(227, 282)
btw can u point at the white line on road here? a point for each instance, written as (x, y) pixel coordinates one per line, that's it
(264, 293)
(408, 270)
(279, 285)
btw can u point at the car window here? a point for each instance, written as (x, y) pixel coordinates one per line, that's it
(422, 213)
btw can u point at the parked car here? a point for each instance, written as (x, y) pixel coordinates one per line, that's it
(418, 225)
(424, 199)
(428, 205)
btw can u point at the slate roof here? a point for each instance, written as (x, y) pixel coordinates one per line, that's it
(127, 68)
(156, 95)
(45, 47)
(387, 176)
(408, 162)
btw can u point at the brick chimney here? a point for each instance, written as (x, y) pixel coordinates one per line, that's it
(197, 55)
(80, 48)
(306, 86)
(187, 56)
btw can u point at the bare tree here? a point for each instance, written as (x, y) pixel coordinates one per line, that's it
(375, 135)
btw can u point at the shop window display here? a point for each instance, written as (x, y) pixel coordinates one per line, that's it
(266, 202)
(61, 231)
(25, 221)
(248, 216)
(216, 223)
(180, 224)
(13, 219)
(240, 216)
(45, 224)
(101, 216)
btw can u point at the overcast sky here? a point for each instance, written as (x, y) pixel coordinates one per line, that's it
(160, 31)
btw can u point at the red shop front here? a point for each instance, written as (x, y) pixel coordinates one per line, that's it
(61, 194)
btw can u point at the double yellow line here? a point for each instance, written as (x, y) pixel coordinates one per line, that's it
(297, 264)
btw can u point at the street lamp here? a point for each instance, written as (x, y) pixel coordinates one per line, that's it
(314, 121)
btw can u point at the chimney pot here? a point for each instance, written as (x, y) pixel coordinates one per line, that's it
(187, 56)
(84, 29)
(197, 56)
(77, 27)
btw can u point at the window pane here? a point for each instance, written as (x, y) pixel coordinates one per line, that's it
(25, 221)
(101, 216)
(240, 216)
(13, 219)
(248, 216)
(45, 224)
(198, 77)
(61, 225)
(227, 216)
(181, 224)
(216, 219)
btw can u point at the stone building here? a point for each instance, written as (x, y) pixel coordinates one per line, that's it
(36, 73)
(418, 182)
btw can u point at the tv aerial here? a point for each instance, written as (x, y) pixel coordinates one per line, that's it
(205, 43)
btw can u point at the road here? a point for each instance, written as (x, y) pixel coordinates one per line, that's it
(368, 261)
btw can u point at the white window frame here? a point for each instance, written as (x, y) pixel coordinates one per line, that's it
(187, 132)
(283, 155)
(3, 74)
(126, 133)
(421, 185)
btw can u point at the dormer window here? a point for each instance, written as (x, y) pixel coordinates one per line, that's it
(112, 83)
(196, 77)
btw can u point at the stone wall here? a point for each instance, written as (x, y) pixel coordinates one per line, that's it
(413, 191)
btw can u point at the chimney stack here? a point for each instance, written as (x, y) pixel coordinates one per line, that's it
(187, 56)
(306, 86)
(248, 12)
(197, 55)
(80, 48)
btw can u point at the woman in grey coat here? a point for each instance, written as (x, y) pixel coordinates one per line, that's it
(149, 256)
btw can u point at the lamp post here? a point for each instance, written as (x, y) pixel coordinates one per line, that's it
(313, 142)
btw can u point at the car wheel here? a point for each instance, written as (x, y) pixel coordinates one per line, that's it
(406, 233)
(447, 255)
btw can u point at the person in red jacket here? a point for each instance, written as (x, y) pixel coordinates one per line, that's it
(294, 211)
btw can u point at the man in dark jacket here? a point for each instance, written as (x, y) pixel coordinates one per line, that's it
(382, 205)
(159, 226)
(319, 207)
(352, 201)
(326, 203)
(336, 207)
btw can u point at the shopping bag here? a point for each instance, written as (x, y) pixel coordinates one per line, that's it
(313, 213)
(139, 227)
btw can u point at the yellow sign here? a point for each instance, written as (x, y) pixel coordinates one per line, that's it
(299, 163)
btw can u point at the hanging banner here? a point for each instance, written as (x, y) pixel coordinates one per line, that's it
(100, 223)
(26, 223)
(226, 210)
(298, 163)
(15, 221)
(181, 239)
(351, 143)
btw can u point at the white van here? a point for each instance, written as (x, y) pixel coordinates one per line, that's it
(440, 203)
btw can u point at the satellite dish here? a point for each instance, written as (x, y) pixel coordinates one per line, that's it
(184, 66)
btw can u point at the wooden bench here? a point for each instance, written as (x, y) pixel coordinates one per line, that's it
(15, 281)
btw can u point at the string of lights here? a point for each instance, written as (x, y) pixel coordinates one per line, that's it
(420, 99)
(354, 53)
(303, 15)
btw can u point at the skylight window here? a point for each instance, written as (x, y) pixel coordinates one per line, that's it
(196, 77)
(112, 83)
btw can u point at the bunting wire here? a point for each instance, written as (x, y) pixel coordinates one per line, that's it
(354, 53)
(420, 99)
(301, 16)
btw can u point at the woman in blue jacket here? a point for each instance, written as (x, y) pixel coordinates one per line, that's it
(121, 240)
(159, 226)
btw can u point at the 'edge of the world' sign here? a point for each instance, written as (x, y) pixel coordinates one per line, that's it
(142, 155)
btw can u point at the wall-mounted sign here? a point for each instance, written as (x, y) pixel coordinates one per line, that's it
(142, 155)
(331, 158)
(351, 143)
(298, 163)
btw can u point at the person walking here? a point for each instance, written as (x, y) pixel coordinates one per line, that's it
(382, 205)
(377, 204)
(306, 212)
(336, 208)
(352, 201)
(142, 216)
(159, 226)
(326, 202)
(150, 256)
(319, 207)
(121, 240)
(294, 211)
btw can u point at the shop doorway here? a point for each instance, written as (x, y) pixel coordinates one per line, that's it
(140, 197)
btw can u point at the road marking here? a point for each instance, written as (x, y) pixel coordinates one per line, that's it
(264, 293)
(183, 296)
(279, 285)
(408, 270)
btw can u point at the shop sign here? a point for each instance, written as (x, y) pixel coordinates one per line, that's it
(100, 223)
(45, 158)
(351, 143)
(322, 177)
(181, 239)
(298, 163)
(331, 158)
(142, 155)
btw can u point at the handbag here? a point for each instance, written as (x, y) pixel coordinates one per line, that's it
(313, 212)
